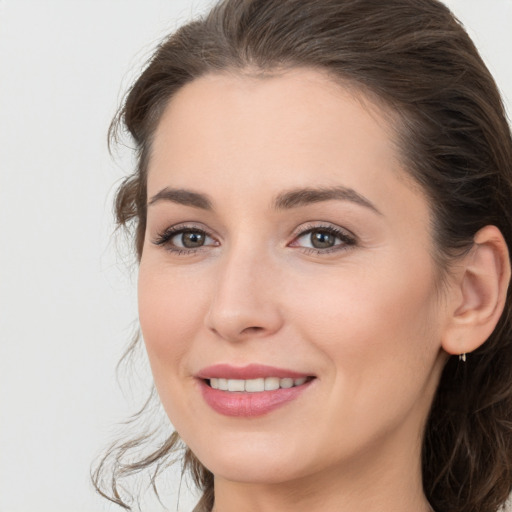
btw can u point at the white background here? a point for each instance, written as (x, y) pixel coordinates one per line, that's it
(67, 302)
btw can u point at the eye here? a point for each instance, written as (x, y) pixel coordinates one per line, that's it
(189, 239)
(322, 239)
(184, 239)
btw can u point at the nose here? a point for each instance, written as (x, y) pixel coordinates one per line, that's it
(245, 299)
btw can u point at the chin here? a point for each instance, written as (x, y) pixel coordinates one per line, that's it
(263, 472)
(256, 461)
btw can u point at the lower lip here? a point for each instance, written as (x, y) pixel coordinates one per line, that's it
(240, 404)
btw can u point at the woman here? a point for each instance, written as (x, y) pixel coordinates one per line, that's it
(321, 215)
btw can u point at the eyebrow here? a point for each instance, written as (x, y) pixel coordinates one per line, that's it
(284, 201)
(182, 196)
(304, 196)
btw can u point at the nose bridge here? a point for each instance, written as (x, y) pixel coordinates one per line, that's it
(244, 300)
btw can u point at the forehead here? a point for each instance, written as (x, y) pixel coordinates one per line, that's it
(300, 103)
(294, 129)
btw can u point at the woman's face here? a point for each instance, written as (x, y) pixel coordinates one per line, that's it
(286, 246)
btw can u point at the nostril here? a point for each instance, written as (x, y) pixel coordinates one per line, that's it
(252, 330)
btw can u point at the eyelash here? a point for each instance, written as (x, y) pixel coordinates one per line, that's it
(165, 237)
(347, 239)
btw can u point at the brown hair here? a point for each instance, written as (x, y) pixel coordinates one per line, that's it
(455, 142)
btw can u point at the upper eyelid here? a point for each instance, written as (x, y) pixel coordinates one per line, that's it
(328, 226)
(185, 226)
(302, 229)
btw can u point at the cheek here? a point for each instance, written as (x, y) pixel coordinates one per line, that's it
(377, 341)
(374, 324)
(169, 314)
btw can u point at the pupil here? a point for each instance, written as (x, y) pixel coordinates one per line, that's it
(192, 239)
(322, 239)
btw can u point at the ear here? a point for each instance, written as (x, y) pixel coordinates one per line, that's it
(478, 293)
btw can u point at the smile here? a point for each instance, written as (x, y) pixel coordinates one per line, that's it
(255, 385)
(249, 391)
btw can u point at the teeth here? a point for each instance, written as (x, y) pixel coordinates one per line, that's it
(256, 385)
(286, 383)
(271, 383)
(236, 385)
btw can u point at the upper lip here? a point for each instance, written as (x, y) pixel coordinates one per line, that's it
(251, 371)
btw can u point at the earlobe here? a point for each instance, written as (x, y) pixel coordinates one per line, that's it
(482, 284)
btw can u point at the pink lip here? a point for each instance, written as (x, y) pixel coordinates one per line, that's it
(251, 371)
(244, 404)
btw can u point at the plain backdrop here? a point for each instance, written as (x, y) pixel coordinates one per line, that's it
(67, 299)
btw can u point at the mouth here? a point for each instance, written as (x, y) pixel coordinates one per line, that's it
(257, 385)
(252, 390)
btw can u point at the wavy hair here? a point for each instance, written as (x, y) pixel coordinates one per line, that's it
(455, 141)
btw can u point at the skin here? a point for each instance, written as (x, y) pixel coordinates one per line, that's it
(367, 319)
